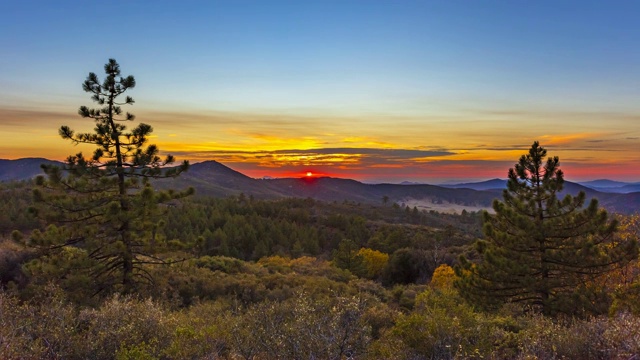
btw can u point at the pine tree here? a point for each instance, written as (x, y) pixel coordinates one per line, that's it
(541, 251)
(105, 204)
(346, 257)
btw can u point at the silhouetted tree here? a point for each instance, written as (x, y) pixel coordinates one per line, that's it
(539, 250)
(105, 204)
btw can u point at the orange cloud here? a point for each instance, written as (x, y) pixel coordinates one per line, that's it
(368, 147)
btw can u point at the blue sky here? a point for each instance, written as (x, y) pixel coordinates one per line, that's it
(226, 80)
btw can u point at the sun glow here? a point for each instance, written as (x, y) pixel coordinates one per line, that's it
(309, 174)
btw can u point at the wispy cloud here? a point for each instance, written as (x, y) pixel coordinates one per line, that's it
(388, 153)
(344, 157)
(17, 118)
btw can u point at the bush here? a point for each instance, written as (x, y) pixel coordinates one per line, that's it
(124, 323)
(301, 328)
(443, 326)
(594, 338)
(45, 328)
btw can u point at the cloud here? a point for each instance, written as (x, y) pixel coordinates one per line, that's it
(506, 147)
(557, 114)
(387, 153)
(258, 124)
(392, 153)
(344, 157)
(29, 118)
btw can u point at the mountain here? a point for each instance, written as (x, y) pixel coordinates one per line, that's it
(22, 169)
(210, 178)
(603, 183)
(214, 179)
(589, 187)
(626, 203)
(635, 187)
(611, 186)
(482, 185)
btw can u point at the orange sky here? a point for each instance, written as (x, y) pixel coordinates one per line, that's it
(368, 147)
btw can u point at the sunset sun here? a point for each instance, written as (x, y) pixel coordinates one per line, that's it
(309, 174)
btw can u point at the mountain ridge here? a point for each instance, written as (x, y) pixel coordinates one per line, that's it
(212, 178)
(23, 168)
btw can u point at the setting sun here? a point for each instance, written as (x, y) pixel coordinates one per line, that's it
(309, 174)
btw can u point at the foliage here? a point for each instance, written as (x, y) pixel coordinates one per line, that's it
(443, 277)
(326, 328)
(541, 251)
(250, 229)
(347, 256)
(443, 326)
(105, 204)
(408, 266)
(15, 198)
(374, 262)
(303, 324)
(48, 327)
(12, 259)
(597, 338)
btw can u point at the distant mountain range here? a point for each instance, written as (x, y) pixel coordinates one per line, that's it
(22, 169)
(214, 179)
(602, 185)
(493, 184)
(611, 186)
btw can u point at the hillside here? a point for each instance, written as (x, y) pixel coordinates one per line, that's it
(210, 178)
(22, 169)
(603, 184)
(213, 178)
(482, 185)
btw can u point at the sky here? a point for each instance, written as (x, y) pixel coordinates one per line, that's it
(377, 91)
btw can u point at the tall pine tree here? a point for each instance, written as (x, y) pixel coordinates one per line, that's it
(105, 205)
(541, 251)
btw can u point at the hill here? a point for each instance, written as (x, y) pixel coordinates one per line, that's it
(603, 184)
(22, 169)
(635, 187)
(211, 178)
(610, 186)
(492, 184)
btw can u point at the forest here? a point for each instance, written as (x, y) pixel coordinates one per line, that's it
(97, 263)
(291, 278)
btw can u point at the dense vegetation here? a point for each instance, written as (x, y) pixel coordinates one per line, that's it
(293, 278)
(97, 264)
